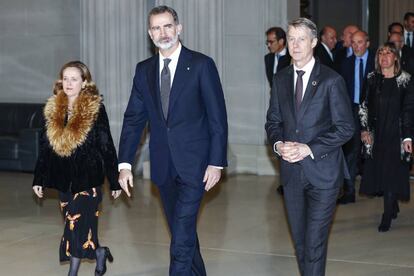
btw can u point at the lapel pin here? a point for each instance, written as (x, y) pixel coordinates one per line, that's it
(188, 68)
(314, 83)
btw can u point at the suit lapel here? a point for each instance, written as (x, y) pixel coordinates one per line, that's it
(154, 84)
(181, 74)
(310, 90)
(290, 90)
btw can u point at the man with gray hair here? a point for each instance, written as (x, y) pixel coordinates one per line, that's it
(308, 120)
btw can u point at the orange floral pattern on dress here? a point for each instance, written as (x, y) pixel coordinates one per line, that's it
(89, 242)
(72, 220)
(63, 205)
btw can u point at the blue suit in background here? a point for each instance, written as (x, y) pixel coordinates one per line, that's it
(193, 136)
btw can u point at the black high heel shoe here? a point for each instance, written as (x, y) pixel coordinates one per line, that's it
(385, 224)
(107, 256)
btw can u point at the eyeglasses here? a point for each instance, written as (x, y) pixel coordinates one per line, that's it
(270, 41)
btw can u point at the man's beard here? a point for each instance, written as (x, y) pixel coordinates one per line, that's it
(166, 45)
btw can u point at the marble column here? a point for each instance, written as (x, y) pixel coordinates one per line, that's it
(113, 39)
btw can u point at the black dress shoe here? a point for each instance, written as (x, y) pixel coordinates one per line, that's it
(110, 258)
(280, 190)
(346, 198)
(385, 224)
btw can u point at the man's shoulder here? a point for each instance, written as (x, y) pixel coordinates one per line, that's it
(328, 73)
(148, 61)
(195, 56)
(284, 73)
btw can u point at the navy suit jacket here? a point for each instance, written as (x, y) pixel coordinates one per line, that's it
(348, 73)
(324, 122)
(284, 61)
(195, 133)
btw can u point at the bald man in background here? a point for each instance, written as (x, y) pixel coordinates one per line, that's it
(324, 50)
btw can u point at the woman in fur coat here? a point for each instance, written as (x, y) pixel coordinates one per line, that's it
(76, 153)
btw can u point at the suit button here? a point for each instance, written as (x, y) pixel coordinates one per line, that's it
(168, 129)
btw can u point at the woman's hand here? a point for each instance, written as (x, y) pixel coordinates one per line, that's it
(366, 137)
(408, 146)
(38, 190)
(116, 194)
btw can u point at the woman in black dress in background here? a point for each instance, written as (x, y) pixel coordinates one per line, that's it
(76, 153)
(387, 129)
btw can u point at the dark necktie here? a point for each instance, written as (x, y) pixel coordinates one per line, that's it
(165, 87)
(361, 76)
(408, 40)
(299, 88)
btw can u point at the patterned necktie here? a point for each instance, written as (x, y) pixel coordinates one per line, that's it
(299, 88)
(165, 87)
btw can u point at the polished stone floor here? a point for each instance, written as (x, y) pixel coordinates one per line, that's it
(242, 230)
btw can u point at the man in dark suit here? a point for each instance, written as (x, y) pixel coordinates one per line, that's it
(344, 50)
(277, 59)
(409, 29)
(323, 50)
(178, 92)
(308, 120)
(406, 54)
(354, 70)
(278, 56)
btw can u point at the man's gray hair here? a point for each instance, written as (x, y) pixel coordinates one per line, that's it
(163, 9)
(303, 22)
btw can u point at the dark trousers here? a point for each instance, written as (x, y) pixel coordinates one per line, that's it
(181, 203)
(310, 213)
(352, 151)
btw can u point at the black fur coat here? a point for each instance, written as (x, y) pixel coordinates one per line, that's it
(76, 153)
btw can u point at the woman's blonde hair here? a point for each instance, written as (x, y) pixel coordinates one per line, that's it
(391, 47)
(89, 87)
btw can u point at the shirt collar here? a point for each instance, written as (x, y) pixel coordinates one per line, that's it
(349, 51)
(174, 56)
(364, 56)
(282, 53)
(308, 66)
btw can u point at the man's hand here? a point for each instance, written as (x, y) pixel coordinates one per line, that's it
(408, 146)
(125, 179)
(38, 190)
(293, 152)
(211, 177)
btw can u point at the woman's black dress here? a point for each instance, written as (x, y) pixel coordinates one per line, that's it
(385, 171)
(80, 236)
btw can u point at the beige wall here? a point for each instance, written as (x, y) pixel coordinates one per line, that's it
(392, 11)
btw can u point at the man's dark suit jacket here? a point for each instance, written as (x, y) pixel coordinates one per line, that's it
(340, 56)
(324, 122)
(323, 56)
(284, 61)
(348, 73)
(195, 133)
(407, 60)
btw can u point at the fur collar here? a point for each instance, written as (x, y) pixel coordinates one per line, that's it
(65, 138)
